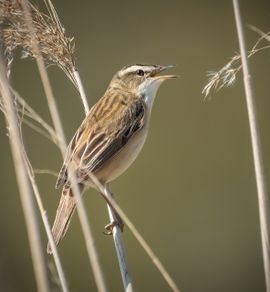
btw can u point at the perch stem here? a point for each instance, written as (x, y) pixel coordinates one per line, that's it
(120, 249)
(116, 232)
(256, 147)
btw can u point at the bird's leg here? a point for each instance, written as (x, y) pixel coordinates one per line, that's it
(117, 220)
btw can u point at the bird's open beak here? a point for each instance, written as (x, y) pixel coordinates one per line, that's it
(159, 69)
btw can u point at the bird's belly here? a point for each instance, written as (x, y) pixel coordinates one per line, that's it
(120, 162)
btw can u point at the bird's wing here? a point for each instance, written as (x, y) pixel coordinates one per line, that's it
(62, 176)
(101, 137)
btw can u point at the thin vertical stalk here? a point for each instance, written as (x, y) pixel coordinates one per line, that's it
(155, 260)
(256, 147)
(59, 268)
(81, 91)
(90, 244)
(104, 191)
(121, 253)
(117, 233)
(24, 186)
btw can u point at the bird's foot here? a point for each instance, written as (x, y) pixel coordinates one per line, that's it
(109, 227)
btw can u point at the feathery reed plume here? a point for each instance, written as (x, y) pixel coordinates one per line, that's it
(55, 46)
(226, 76)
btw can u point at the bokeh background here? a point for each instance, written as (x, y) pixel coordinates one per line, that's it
(192, 192)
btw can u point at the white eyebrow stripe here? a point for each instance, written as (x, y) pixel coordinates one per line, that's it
(134, 68)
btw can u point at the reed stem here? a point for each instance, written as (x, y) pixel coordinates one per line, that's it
(256, 147)
(25, 191)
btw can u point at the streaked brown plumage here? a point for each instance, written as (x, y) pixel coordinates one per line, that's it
(110, 137)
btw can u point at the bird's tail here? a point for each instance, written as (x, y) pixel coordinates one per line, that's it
(65, 210)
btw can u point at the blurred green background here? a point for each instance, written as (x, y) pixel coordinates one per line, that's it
(191, 193)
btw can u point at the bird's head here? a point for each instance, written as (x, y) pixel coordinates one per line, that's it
(141, 78)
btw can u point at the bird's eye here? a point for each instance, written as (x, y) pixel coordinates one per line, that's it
(140, 72)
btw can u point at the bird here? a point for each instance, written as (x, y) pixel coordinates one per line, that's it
(110, 137)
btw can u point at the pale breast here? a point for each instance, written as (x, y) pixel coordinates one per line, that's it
(121, 161)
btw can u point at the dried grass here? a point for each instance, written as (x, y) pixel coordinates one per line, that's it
(226, 76)
(55, 46)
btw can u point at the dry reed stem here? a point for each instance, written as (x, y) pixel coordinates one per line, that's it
(90, 245)
(23, 184)
(20, 110)
(155, 260)
(120, 251)
(256, 148)
(81, 91)
(31, 118)
(43, 212)
(262, 34)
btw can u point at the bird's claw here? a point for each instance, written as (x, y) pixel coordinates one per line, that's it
(109, 227)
